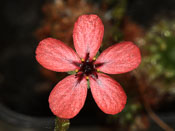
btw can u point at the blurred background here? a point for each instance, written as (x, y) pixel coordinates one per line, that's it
(25, 85)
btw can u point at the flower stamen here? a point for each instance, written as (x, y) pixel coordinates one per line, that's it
(76, 70)
(87, 77)
(94, 58)
(98, 70)
(82, 60)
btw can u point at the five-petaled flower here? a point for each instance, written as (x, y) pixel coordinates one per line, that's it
(68, 96)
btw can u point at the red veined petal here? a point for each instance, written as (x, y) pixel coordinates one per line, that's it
(55, 55)
(87, 35)
(108, 94)
(68, 97)
(119, 58)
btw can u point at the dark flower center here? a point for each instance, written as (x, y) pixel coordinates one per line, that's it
(87, 68)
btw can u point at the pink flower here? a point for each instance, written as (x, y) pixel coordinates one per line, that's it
(68, 96)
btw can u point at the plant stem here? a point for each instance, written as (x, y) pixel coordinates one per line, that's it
(61, 124)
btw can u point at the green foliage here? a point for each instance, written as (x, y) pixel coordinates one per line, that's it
(160, 44)
(158, 59)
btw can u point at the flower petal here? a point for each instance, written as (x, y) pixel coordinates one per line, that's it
(55, 55)
(68, 97)
(87, 35)
(119, 58)
(108, 94)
